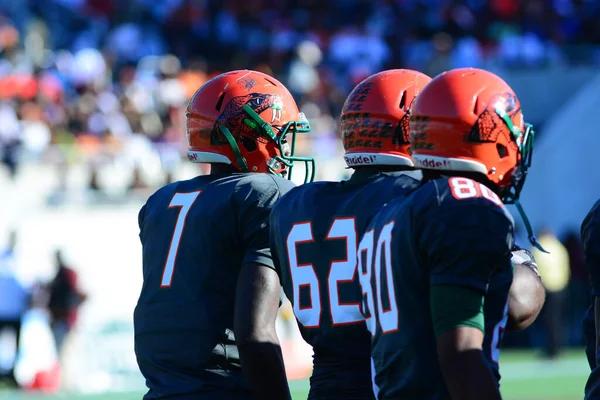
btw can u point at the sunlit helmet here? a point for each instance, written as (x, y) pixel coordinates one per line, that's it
(245, 118)
(470, 120)
(375, 118)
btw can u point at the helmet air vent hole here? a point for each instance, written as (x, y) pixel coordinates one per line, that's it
(403, 101)
(476, 106)
(249, 144)
(502, 150)
(271, 82)
(220, 101)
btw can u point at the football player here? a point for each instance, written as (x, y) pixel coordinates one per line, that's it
(315, 229)
(207, 266)
(435, 265)
(590, 237)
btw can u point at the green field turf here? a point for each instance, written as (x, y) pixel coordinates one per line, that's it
(525, 377)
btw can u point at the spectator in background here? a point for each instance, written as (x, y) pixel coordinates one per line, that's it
(106, 82)
(10, 141)
(554, 269)
(65, 299)
(14, 299)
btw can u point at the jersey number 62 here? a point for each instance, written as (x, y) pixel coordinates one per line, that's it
(342, 269)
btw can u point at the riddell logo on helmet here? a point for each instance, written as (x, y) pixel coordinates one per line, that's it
(360, 160)
(431, 163)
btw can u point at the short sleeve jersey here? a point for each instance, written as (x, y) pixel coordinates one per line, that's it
(196, 235)
(450, 231)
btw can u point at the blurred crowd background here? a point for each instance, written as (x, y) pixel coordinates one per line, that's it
(93, 94)
(101, 79)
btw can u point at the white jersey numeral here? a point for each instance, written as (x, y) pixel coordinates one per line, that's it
(464, 188)
(304, 275)
(387, 318)
(498, 330)
(185, 202)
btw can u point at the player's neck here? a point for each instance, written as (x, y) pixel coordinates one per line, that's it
(219, 169)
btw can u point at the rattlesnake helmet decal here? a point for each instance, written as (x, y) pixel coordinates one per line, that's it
(233, 116)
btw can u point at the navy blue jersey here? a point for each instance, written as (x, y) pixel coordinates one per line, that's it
(592, 387)
(196, 235)
(450, 231)
(590, 237)
(315, 229)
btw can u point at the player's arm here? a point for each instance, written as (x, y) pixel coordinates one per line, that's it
(461, 253)
(527, 295)
(258, 294)
(459, 324)
(257, 305)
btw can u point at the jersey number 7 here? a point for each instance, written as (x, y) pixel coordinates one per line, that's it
(185, 202)
(340, 270)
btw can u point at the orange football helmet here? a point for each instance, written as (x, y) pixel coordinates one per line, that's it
(375, 118)
(470, 120)
(243, 118)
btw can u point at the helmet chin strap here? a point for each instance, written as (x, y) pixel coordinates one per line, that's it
(525, 148)
(241, 161)
(530, 235)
